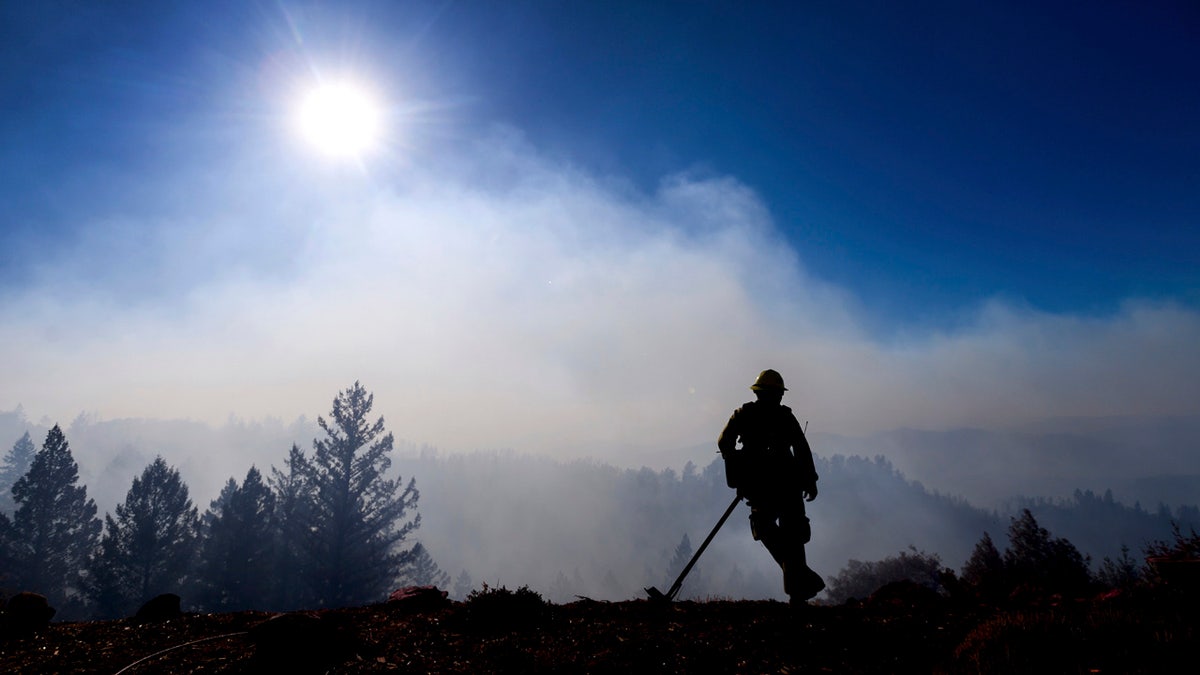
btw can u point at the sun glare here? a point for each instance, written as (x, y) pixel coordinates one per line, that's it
(340, 120)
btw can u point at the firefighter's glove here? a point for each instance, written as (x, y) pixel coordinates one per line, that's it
(809, 492)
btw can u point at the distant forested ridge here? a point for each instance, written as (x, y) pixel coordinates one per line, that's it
(505, 518)
(1140, 459)
(563, 528)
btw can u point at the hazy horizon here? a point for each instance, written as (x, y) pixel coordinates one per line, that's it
(597, 528)
(1133, 457)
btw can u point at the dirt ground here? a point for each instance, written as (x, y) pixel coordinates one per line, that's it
(512, 634)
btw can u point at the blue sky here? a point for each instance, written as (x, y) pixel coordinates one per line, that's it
(877, 197)
(925, 155)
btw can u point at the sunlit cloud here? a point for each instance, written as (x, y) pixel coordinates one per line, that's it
(500, 298)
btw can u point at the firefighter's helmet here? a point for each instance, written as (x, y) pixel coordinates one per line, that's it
(768, 380)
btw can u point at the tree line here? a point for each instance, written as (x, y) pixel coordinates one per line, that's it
(326, 529)
(1035, 566)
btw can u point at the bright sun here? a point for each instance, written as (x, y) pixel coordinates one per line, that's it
(340, 120)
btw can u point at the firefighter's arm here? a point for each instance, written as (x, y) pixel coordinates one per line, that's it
(727, 441)
(727, 444)
(804, 461)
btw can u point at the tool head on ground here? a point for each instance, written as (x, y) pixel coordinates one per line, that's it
(769, 381)
(657, 595)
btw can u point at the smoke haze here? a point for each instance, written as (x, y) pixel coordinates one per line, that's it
(500, 298)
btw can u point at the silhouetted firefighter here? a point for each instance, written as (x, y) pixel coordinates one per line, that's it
(773, 469)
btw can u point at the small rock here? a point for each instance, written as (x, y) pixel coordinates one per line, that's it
(419, 598)
(26, 613)
(160, 608)
(299, 642)
(905, 595)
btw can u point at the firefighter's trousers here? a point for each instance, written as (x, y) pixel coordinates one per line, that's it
(784, 529)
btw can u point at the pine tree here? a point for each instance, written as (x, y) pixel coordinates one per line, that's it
(683, 555)
(16, 464)
(359, 518)
(561, 591)
(237, 552)
(421, 570)
(463, 585)
(55, 526)
(1123, 573)
(736, 583)
(610, 588)
(149, 547)
(1038, 561)
(294, 498)
(984, 572)
(8, 562)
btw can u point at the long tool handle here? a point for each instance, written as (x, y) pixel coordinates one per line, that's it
(696, 556)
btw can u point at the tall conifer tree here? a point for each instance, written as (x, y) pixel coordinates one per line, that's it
(16, 464)
(294, 498)
(55, 527)
(679, 560)
(359, 518)
(421, 570)
(8, 563)
(237, 554)
(150, 545)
